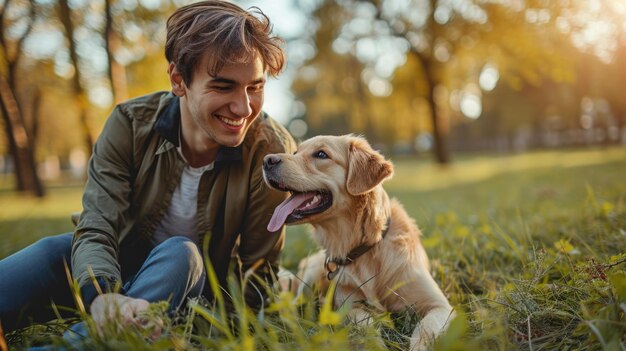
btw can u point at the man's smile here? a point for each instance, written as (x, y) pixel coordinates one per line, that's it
(232, 122)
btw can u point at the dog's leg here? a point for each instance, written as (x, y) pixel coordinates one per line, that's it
(287, 281)
(432, 325)
(350, 296)
(436, 310)
(313, 274)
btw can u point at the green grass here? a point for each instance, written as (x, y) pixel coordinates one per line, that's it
(24, 219)
(529, 248)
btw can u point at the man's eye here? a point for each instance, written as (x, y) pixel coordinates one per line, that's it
(257, 88)
(320, 154)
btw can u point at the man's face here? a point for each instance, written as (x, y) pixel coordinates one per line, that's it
(222, 107)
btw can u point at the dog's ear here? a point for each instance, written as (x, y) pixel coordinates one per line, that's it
(366, 167)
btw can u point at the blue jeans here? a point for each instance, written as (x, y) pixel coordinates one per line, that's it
(33, 277)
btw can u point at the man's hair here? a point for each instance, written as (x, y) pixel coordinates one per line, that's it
(223, 31)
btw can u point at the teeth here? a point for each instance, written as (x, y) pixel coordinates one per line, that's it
(232, 122)
(312, 203)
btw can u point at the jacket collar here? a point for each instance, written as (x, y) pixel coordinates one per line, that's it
(168, 125)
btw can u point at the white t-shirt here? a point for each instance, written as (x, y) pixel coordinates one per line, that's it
(180, 218)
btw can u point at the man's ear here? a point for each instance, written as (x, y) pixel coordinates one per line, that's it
(366, 167)
(176, 80)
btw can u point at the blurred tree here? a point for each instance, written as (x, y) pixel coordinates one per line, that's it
(581, 105)
(453, 41)
(615, 89)
(142, 33)
(70, 51)
(319, 81)
(134, 39)
(447, 44)
(116, 70)
(16, 23)
(613, 75)
(58, 135)
(331, 85)
(65, 15)
(128, 34)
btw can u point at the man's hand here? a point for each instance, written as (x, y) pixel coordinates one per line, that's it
(125, 310)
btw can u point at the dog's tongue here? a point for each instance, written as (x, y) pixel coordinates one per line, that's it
(284, 209)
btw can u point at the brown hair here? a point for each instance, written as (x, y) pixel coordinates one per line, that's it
(226, 33)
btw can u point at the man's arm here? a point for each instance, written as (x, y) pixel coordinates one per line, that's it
(105, 203)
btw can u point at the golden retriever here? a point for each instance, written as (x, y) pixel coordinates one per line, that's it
(370, 244)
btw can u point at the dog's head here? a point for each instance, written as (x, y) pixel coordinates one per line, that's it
(325, 173)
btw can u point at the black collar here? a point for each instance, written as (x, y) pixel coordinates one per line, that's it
(333, 264)
(168, 125)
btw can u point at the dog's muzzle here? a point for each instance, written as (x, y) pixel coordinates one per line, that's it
(270, 162)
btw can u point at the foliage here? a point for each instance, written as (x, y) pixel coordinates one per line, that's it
(371, 66)
(529, 249)
(394, 70)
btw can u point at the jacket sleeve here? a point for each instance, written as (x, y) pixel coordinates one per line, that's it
(258, 247)
(105, 204)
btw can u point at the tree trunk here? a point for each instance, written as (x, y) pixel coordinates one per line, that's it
(117, 71)
(440, 150)
(20, 147)
(36, 116)
(79, 92)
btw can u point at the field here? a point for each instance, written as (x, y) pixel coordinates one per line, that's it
(529, 248)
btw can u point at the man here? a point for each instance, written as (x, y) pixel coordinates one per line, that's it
(170, 171)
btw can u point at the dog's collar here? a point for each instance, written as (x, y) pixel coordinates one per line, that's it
(333, 264)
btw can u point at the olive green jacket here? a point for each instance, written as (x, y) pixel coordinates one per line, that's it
(132, 174)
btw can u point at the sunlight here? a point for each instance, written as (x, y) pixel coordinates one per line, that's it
(489, 77)
(471, 105)
(601, 25)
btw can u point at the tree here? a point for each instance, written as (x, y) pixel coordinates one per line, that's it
(134, 40)
(333, 85)
(116, 70)
(462, 37)
(65, 15)
(319, 82)
(132, 36)
(21, 145)
(447, 44)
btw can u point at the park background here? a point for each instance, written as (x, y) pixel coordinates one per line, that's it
(504, 118)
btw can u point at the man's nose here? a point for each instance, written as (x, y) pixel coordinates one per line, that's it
(270, 162)
(240, 105)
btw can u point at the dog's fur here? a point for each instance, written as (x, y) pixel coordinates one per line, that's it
(391, 276)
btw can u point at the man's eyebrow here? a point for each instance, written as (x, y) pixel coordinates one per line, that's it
(222, 80)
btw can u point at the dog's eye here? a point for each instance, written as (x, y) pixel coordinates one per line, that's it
(320, 154)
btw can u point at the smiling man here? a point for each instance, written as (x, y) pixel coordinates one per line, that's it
(170, 172)
(217, 110)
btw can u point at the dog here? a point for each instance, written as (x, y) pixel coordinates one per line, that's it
(371, 246)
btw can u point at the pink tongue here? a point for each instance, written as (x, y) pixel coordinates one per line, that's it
(284, 209)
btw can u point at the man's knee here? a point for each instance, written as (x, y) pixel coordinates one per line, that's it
(181, 252)
(55, 247)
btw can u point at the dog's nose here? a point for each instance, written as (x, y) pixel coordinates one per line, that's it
(270, 161)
